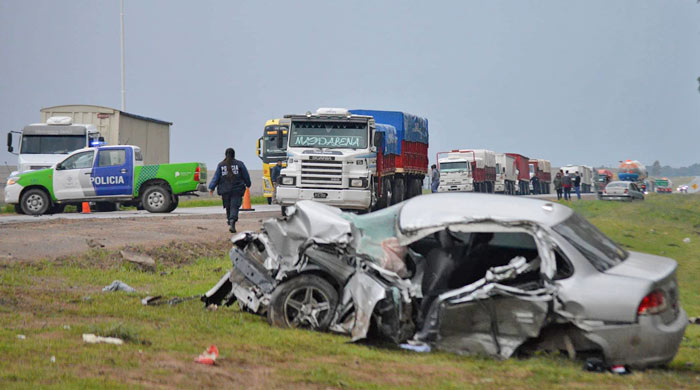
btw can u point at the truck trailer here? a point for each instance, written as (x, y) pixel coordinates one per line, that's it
(467, 170)
(272, 147)
(506, 174)
(354, 159)
(542, 170)
(586, 174)
(522, 167)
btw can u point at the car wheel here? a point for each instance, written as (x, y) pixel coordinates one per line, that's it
(35, 202)
(306, 301)
(156, 199)
(174, 204)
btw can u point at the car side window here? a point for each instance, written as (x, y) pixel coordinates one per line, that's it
(79, 161)
(564, 266)
(111, 157)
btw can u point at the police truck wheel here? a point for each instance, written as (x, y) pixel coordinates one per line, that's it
(57, 208)
(156, 199)
(18, 209)
(306, 301)
(105, 207)
(35, 202)
(173, 205)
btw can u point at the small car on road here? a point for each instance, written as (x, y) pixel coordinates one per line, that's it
(460, 272)
(622, 190)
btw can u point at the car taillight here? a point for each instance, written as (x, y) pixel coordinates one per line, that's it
(653, 303)
(196, 173)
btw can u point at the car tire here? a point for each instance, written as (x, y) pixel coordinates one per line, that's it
(35, 202)
(305, 301)
(156, 199)
(174, 204)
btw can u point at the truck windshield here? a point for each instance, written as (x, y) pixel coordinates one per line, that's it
(275, 142)
(595, 246)
(453, 166)
(334, 135)
(51, 144)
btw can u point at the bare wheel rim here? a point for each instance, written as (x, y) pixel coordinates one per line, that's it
(156, 199)
(35, 202)
(306, 307)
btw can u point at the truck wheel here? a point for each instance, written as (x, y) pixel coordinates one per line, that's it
(173, 205)
(306, 301)
(269, 200)
(386, 193)
(156, 199)
(416, 187)
(399, 191)
(35, 202)
(18, 208)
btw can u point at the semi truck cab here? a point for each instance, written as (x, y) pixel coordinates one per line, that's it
(331, 158)
(41, 145)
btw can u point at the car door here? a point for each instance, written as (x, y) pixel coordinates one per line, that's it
(496, 317)
(113, 172)
(71, 178)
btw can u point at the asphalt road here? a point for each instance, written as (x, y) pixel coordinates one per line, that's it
(179, 212)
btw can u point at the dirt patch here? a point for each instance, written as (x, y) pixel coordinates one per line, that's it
(60, 238)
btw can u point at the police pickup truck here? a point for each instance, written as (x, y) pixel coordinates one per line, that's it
(106, 175)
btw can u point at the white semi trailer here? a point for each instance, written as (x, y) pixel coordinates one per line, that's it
(506, 174)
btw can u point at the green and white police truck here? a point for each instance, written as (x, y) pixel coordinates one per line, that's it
(107, 176)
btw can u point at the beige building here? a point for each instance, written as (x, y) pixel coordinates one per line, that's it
(121, 128)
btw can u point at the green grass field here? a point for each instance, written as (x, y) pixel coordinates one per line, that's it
(54, 303)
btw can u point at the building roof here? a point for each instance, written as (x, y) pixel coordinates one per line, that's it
(135, 116)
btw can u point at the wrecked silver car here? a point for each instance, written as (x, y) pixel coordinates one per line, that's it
(468, 273)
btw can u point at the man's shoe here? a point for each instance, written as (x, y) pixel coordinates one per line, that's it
(232, 228)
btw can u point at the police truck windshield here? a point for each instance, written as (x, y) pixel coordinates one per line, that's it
(332, 135)
(51, 144)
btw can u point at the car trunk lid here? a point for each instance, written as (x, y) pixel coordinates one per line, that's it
(660, 271)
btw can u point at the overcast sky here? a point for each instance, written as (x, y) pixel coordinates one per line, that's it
(585, 82)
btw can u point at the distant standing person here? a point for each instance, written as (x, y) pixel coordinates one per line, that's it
(230, 180)
(566, 185)
(434, 178)
(577, 185)
(557, 185)
(274, 175)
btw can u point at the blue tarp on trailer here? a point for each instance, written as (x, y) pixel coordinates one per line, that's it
(391, 140)
(408, 126)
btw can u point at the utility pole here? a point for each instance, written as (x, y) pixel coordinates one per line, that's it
(123, 67)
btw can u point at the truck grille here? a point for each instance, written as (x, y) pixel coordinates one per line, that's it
(322, 174)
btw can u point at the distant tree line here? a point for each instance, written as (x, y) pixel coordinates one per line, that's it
(658, 170)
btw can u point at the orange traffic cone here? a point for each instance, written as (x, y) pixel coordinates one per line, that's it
(86, 208)
(246, 201)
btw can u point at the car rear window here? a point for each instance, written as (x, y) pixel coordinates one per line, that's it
(617, 185)
(595, 246)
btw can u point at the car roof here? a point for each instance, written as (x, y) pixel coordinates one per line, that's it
(451, 208)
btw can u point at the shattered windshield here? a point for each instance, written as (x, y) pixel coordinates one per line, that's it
(595, 246)
(315, 134)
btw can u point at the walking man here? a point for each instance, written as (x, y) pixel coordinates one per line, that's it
(557, 185)
(231, 180)
(434, 178)
(566, 185)
(577, 185)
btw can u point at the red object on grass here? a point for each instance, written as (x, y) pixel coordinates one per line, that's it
(209, 356)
